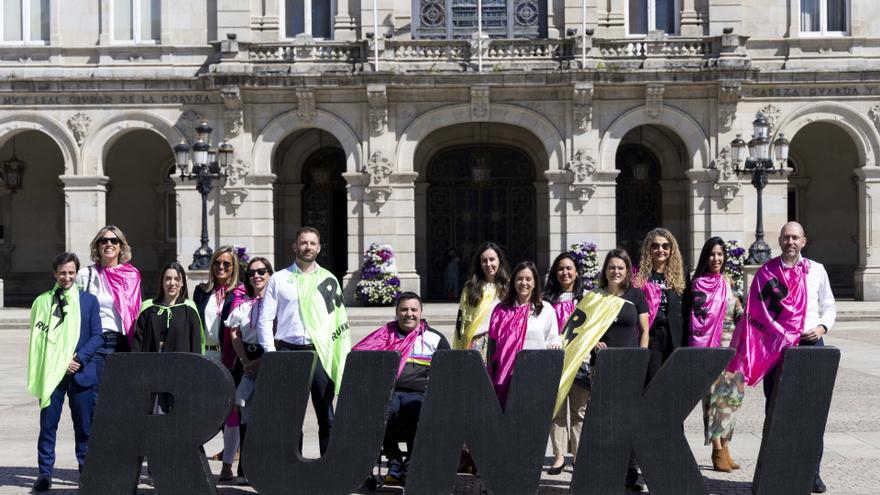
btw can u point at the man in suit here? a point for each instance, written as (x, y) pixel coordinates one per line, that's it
(65, 334)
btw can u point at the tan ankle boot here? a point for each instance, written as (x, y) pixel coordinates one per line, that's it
(730, 461)
(719, 461)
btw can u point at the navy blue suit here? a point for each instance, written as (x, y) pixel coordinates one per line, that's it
(79, 387)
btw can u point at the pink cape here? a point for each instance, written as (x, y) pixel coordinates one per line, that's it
(563, 310)
(124, 283)
(710, 293)
(386, 338)
(507, 328)
(773, 320)
(653, 293)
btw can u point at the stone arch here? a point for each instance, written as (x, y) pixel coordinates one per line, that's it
(680, 123)
(847, 118)
(451, 115)
(19, 122)
(287, 123)
(108, 131)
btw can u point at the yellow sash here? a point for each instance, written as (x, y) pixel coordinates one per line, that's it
(586, 325)
(470, 318)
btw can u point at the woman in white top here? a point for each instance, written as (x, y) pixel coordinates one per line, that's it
(242, 324)
(117, 285)
(522, 320)
(214, 300)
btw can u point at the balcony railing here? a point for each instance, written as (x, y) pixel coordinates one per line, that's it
(658, 52)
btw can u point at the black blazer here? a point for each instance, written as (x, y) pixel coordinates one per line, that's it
(674, 315)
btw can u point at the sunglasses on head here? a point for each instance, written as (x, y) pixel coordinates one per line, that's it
(258, 271)
(657, 245)
(112, 240)
(224, 264)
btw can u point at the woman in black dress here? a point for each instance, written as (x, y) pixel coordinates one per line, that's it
(170, 322)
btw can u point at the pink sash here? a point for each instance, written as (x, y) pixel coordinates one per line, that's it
(709, 304)
(563, 310)
(508, 328)
(386, 338)
(124, 283)
(227, 353)
(773, 320)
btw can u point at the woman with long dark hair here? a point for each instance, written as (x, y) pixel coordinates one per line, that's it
(661, 276)
(522, 320)
(712, 309)
(214, 300)
(563, 290)
(169, 322)
(488, 284)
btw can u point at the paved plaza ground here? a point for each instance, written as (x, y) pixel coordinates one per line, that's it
(851, 464)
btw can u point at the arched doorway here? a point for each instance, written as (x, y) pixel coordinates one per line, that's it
(478, 193)
(652, 190)
(323, 205)
(31, 219)
(141, 201)
(310, 190)
(826, 201)
(637, 196)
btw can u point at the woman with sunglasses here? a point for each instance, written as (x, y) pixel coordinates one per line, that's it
(117, 285)
(661, 276)
(712, 309)
(242, 324)
(214, 301)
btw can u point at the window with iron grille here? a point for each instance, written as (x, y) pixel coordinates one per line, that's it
(457, 19)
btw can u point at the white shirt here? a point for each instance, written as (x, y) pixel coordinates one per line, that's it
(821, 309)
(241, 317)
(212, 320)
(111, 320)
(542, 330)
(281, 301)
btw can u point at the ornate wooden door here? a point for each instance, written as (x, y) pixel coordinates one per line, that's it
(465, 208)
(638, 196)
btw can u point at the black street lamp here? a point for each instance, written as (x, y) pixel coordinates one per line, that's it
(13, 171)
(208, 164)
(759, 164)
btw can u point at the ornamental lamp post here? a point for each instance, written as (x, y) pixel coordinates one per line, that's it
(13, 171)
(759, 164)
(208, 164)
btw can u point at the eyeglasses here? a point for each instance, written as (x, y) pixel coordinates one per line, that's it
(665, 246)
(224, 264)
(258, 271)
(112, 240)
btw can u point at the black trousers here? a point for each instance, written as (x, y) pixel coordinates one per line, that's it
(770, 382)
(322, 392)
(403, 419)
(660, 345)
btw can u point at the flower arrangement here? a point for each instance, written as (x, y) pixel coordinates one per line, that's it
(241, 252)
(585, 254)
(379, 284)
(733, 268)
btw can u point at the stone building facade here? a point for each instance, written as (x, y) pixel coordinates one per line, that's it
(568, 120)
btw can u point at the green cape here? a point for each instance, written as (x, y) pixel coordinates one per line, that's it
(52, 343)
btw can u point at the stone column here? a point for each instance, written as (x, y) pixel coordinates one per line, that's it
(189, 219)
(344, 26)
(421, 224)
(691, 20)
(85, 211)
(356, 207)
(867, 277)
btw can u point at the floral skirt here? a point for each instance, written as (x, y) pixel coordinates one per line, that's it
(479, 343)
(720, 404)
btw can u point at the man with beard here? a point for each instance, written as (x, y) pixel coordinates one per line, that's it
(305, 301)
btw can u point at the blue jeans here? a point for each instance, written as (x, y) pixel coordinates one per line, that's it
(770, 384)
(81, 406)
(113, 342)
